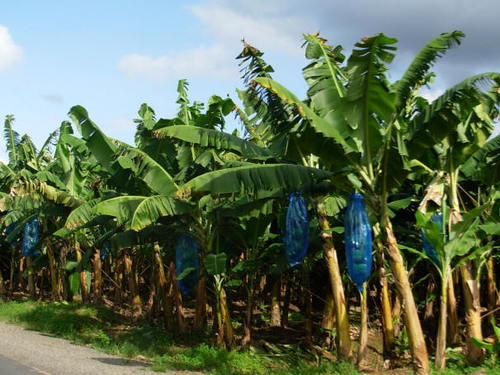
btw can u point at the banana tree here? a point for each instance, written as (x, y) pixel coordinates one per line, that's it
(472, 112)
(367, 122)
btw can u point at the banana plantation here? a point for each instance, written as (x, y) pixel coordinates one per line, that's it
(361, 211)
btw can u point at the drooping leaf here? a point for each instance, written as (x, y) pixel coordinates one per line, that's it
(152, 208)
(100, 146)
(123, 208)
(148, 170)
(423, 62)
(254, 178)
(216, 139)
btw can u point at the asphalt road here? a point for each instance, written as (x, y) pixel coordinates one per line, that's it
(9, 367)
(24, 352)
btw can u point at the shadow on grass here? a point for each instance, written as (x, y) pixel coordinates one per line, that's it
(122, 362)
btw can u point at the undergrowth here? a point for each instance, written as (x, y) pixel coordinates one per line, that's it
(102, 329)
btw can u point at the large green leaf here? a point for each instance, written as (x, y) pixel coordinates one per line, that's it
(148, 170)
(123, 208)
(137, 212)
(81, 214)
(72, 174)
(325, 66)
(216, 139)
(100, 145)
(370, 104)
(152, 208)
(423, 62)
(257, 177)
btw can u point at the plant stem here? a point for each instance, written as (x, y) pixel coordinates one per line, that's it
(363, 338)
(441, 336)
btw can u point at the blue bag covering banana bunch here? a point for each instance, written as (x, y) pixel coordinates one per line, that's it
(186, 257)
(296, 237)
(358, 241)
(30, 238)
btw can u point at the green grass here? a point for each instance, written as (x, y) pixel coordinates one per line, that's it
(101, 329)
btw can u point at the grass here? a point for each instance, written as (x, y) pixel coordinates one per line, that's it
(456, 364)
(101, 329)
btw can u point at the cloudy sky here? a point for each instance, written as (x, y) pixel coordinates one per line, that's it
(111, 56)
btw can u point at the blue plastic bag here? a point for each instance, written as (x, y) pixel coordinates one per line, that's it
(186, 256)
(429, 249)
(30, 239)
(358, 241)
(296, 237)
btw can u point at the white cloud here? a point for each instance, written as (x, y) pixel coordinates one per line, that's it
(201, 61)
(269, 29)
(225, 23)
(9, 51)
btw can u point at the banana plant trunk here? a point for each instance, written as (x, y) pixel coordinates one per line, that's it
(166, 301)
(396, 315)
(118, 279)
(200, 317)
(20, 278)
(247, 327)
(470, 288)
(342, 320)
(31, 278)
(441, 336)
(400, 274)
(83, 275)
(385, 300)
(453, 334)
(135, 299)
(328, 320)
(54, 278)
(363, 338)
(493, 299)
(275, 303)
(470, 285)
(177, 298)
(224, 322)
(97, 277)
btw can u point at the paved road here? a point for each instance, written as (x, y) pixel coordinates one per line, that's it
(24, 352)
(9, 367)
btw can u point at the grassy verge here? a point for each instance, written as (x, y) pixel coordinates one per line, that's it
(100, 328)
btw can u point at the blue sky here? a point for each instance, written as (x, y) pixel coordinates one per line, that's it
(111, 56)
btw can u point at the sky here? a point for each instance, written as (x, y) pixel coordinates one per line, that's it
(111, 56)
